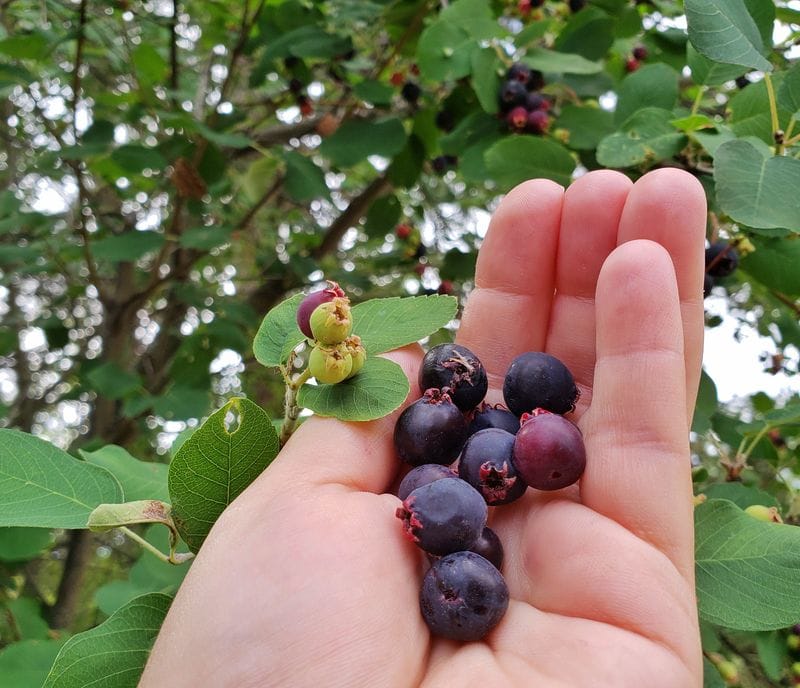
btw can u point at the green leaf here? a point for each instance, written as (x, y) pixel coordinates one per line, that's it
(473, 16)
(355, 140)
(378, 389)
(205, 238)
(27, 663)
(710, 73)
(151, 68)
(374, 92)
(113, 654)
(706, 405)
(304, 180)
(110, 516)
(443, 52)
(386, 324)
(723, 31)
(111, 381)
(586, 126)
(646, 136)
(750, 111)
(382, 216)
(182, 402)
(29, 46)
(774, 264)
(589, 33)
(741, 495)
(27, 613)
(747, 571)
(223, 456)
(514, 159)
(653, 85)
(485, 80)
(771, 649)
(560, 63)
(139, 479)
(763, 14)
(222, 138)
(43, 486)
(789, 92)
(23, 544)
(129, 246)
(751, 186)
(134, 158)
(278, 333)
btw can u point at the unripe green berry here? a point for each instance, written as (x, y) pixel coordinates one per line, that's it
(357, 352)
(793, 641)
(796, 668)
(332, 322)
(764, 513)
(728, 671)
(330, 364)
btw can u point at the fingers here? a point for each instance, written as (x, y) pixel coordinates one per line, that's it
(592, 209)
(359, 455)
(508, 310)
(638, 471)
(669, 206)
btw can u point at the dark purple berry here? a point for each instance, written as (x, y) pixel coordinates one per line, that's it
(536, 101)
(463, 597)
(486, 464)
(512, 94)
(488, 416)
(457, 368)
(539, 380)
(422, 475)
(411, 92)
(445, 120)
(548, 451)
(535, 80)
(431, 430)
(295, 85)
(721, 259)
(444, 516)
(309, 304)
(518, 72)
(577, 5)
(639, 52)
(708, 285)
(489, 547)
(742, 81)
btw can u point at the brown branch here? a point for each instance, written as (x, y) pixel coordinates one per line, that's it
(260, 203)
(70, 587)
(791, 303)
(173, 51)
(281, 133)
(351, 215)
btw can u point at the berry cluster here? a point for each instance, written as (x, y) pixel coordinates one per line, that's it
(525, 109)
(637, 56)
(721, 261)
(496, 454)
(325, 317)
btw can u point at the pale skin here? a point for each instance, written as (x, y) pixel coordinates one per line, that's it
(307, 578)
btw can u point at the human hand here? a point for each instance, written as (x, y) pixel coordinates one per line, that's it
(307, 579)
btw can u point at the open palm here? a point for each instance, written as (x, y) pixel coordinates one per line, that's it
(307, 578)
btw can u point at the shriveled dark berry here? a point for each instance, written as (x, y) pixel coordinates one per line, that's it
(549, 453)
(512, 94)
(422, 475)
(538, 380)
(457, 368)
(444, 516)
(463, 597)
(309, 304)
(721, 259)
(519, 72)
(486, 464)
(535, 80)
(488, 416)
(489, 547)
(411, 92)
(431, 430)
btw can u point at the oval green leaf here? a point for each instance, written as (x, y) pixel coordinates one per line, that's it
(747, 571)
(139, 479)
(356, 139)
(278, 333)
(113, 654)
(221, 458)
(515, 159)
(43, 486)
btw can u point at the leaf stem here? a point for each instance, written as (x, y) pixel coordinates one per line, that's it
(291, 411)
(698, 99)
(171, 558)
(773, 112)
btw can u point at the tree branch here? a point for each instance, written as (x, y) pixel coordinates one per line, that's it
(173, 51)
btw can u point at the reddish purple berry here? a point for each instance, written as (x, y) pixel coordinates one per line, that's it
(444, 516)
(539, 380)
(721, 259)
(488, 416)
(463, 597)
(548, 451)
(536, 101)
(431, 430)
(309, 304)
(422, 475)
(517, 119)
(519, 72)
(489, 547)
(457, 368)
(486, 464)
(538, 122)
(639, 52)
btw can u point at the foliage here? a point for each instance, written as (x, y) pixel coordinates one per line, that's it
(174, 172)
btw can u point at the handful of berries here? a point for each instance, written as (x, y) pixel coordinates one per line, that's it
(500, 453)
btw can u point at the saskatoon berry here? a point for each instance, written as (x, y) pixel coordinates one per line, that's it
(422, 475)
(487, 416)
(456, 367)
(517, 118)
(742, 81)
(463, 597)
(444, 516)
(539, 380)
(486, 464)
(519, 72)
(721, 259)
(489, 547)
(548, 451)
(536, 101)
(631, 64)
(309, 304)
(411, 92)
(535, 81)
(431, 430)
(639, 52)
(512, 94)
(577, 5)
(332, 322)
(538, 122)
(445, 120)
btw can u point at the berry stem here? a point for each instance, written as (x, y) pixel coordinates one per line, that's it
(773, 111)
(291, 411)
(173, 557)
